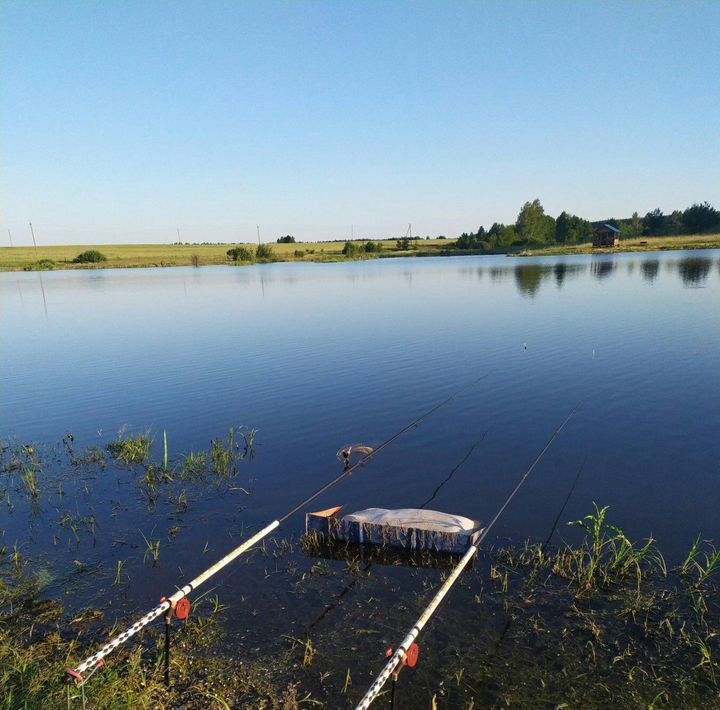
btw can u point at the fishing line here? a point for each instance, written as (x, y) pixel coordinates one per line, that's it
(400, 656)
(455, 469)
(369, 563)
(169, 606)
(562, 510)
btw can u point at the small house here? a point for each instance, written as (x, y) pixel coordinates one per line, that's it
(606, 236)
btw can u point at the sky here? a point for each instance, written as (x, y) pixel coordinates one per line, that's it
(124, 121)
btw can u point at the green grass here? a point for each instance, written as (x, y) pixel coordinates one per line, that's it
(120, 256)
(642, 244)
(131, 448)
(149, 255)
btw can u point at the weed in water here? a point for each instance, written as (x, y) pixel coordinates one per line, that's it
(152, 549)
(131, 449)
(118, 574)
(194, 467)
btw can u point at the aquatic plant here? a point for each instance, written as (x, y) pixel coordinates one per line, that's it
(152, 548)
(29, 478)
(604, 556)
(165, 450)
(194, 466)
(131, 448)
(120, 564)
(703, 563)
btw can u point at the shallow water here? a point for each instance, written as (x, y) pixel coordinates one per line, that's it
(318, 356)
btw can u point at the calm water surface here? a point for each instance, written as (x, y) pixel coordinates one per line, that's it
(316, 356)
(319, 356)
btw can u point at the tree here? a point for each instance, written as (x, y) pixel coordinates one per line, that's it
(700, 218)
(350, 249)
(403, 244)
(92, 256)
(287, 239)
(241, 254)
(265, 251)
(677, 225)
(466, 241)
(533, 225)
(631, 229)
(562, 227)
(653, 222)
(372, 247)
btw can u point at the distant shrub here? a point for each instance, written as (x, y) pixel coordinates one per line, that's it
(286, 240)
(42, 265)
(241, 254)
(372, 247)
(265, 251)
(195, 260)
(350, 249)
(92, 256)
(299, 253)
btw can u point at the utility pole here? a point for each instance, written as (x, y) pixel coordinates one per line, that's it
(258, 231)
(178, 231)
(352, 232)
(32, 231)
(10, 235)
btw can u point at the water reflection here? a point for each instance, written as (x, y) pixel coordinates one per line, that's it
(602, 269)
(529, 277)
(694, 271)
(497, 273)
(560, 273)
(649, 269)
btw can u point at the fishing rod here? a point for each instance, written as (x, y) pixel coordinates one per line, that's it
(179, 606)
(404, 655)
(348, 588)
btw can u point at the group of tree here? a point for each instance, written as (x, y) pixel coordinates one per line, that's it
(534, 227)
(354, 248)
(263, 252)
(287, 239)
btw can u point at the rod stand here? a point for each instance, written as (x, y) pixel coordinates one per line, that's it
(168, 621)
(392, 691)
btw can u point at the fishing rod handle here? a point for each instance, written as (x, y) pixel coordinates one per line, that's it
(399, 655)
(120, 639)
(166, 604)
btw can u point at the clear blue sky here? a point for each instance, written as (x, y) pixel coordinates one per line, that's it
(124, 120)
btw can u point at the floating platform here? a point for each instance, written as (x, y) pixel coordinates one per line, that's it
(412, 529)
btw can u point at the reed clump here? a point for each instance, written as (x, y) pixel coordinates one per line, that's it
(131, 448)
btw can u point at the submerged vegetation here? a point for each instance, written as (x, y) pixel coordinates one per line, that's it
(131, 449)
(624, 630)
(626, 627)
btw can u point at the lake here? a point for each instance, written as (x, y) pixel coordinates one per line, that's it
(316, 356)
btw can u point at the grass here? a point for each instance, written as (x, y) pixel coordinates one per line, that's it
(131, 448)
(152, 549)
(162, 255)
(37, 645)
(151, 255)
(642, 244)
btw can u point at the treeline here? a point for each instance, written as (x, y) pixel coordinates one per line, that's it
(534, 227)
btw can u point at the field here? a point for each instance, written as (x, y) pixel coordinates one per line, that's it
(148, 255)
(695, 241)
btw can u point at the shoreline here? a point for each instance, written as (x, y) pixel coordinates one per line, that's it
(125, 256)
